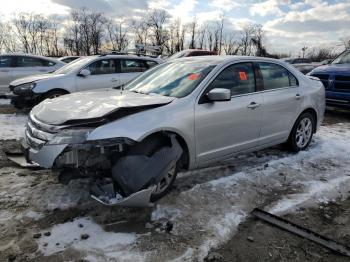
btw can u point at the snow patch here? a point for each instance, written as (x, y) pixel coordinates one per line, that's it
(99, 246)
(316, 192)
(5, 101)
(12, 126)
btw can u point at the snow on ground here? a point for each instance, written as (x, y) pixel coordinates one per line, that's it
(12, 126)
(5, 101)
(204, 215)
(217, 207)
(101, 244)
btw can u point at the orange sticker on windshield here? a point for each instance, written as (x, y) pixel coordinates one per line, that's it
(243, 76)
(193, 76)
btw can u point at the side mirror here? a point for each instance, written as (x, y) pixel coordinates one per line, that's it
(219, 94)
(84, 73)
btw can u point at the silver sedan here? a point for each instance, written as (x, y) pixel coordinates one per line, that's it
(181, 115)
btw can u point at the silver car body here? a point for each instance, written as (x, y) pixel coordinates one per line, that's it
(69, 79)
(211, 131)
(89, 130)
(30, 65)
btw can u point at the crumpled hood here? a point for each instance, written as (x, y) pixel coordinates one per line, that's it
(333, 69)
(30, 79)
(92, 105)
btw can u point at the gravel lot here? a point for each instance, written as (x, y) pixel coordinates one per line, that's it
(205, 217)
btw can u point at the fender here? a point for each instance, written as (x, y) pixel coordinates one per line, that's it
(178, 119)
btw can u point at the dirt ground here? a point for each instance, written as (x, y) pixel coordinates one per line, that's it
(205, 217)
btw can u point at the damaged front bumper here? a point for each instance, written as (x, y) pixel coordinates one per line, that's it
(131, 177)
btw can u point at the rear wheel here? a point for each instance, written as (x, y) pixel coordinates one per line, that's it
(302, 132)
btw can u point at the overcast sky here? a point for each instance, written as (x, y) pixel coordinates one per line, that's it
(289, 24)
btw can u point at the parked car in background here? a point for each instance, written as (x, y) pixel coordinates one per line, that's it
(304, 65)
(68, 59)
(336, 80)
(191, 52)
(86, 73)
(14, 66)
(184, 114)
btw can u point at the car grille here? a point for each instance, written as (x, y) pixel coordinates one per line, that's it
(324, 79)
(37, 133)
(342, 82)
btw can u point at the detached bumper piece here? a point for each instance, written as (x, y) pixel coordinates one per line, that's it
(135, 176)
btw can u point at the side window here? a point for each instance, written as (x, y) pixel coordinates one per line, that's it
(274, 76)
(150, 64)
(5, 61)
(26, 61)
(238, 78)
(100, 67)
(293, 81)
(47, 63)
(131, 66)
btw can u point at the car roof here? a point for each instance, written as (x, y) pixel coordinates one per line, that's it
(31, 55)
(219, 59)
(127, 56)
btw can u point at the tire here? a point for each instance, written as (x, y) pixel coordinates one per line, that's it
(53, 94)
(165, 185)
(302, 132)
(148, 147)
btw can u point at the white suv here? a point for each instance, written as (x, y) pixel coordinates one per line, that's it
(86, 73)
(14, 66)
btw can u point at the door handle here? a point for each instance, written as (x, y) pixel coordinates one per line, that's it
(253, 105)
(42, 70)
(114, 79)
(297, 96)
(5, 71)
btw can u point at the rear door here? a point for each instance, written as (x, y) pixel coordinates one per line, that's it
(130, 68)
(226, 127)
(6, 74)
(103, 75)
(282, 100)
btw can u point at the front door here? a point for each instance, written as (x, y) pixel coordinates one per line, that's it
(227, 127)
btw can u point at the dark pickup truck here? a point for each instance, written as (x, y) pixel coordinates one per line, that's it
(336, 80)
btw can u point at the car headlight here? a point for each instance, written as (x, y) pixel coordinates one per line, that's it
(70, 136)
(24, 89)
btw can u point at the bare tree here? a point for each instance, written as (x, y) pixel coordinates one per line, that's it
(230, 44)
(156, 21)
(193, 31)
(117, 33)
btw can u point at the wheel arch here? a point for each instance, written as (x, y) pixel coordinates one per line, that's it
(185, 158)
(313, 112)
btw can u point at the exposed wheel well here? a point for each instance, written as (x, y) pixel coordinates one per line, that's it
(57, 90)
(184, 160)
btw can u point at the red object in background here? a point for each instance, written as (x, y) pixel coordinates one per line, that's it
(193, 76)
(243, 76)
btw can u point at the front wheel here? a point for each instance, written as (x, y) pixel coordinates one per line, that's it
(53, 94)
(164, 185)
(302, 132)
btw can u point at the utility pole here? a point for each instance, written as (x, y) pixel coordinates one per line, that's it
(221, 29)
(303, 50)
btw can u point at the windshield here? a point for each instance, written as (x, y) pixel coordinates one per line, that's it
(175, 79)
(343, 58)
(76, 64)
(178, 55)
